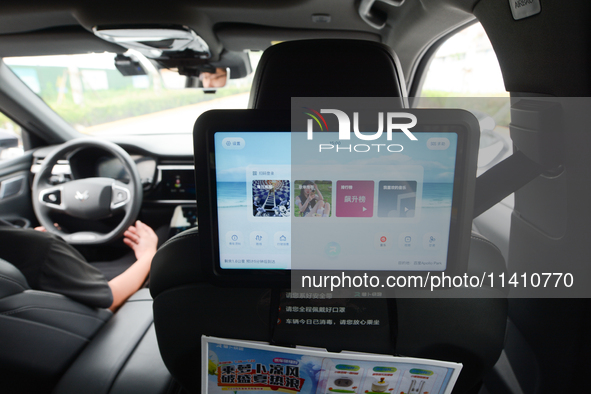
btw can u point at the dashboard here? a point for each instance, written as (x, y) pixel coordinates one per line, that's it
(165, 179)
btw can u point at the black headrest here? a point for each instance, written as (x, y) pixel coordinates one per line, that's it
(325, 68)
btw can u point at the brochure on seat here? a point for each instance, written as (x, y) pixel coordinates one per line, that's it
(245, 366)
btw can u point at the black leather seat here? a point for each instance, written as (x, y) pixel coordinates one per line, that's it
(49, 339)
(468, 329)
(42, 333)
(123, 357)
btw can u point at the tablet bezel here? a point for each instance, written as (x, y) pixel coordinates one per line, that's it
(279, 121)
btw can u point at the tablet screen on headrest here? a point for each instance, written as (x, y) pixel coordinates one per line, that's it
(264, 211)
(403, 210)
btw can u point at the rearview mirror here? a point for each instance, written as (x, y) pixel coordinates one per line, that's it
(205, 80)
(213, 80)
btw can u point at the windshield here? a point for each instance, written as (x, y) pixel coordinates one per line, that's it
(96, 99)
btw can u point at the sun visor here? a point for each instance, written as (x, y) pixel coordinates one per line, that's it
(56, 41)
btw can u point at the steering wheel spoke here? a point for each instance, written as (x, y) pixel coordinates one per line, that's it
(83, 237)
(51, 198)
(120, 196)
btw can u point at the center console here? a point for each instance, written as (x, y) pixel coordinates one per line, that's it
(183, 218)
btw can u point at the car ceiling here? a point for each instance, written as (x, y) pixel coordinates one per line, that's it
(539, 54)
(38, 27)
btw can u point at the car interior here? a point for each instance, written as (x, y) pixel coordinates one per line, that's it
(530, 206)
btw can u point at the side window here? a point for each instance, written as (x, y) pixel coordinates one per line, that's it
(465, 73)
(465, 66)
(11, 143)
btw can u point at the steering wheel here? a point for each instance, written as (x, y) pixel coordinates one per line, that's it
(90, 198)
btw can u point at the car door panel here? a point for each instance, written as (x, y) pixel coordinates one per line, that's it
(15, 193)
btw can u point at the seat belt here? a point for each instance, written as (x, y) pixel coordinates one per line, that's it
(536, 133)
(506, 177)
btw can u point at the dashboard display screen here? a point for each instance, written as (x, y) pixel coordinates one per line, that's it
(178, 184)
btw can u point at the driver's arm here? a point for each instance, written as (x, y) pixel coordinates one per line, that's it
(144, 242)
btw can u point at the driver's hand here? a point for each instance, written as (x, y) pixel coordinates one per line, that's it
(142, 239)
(43, 229)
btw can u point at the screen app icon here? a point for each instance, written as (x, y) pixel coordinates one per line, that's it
(355, 199)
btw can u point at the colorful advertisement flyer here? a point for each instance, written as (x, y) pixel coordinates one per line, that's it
(233, 366)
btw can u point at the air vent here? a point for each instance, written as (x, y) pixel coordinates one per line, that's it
(62, 166)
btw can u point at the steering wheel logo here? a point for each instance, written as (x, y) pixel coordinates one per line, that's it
(81, 196)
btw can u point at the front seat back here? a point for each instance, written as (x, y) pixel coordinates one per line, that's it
(325, 68)
(187, 306)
